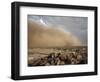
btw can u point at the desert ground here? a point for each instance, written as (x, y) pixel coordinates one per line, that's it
(57, 56)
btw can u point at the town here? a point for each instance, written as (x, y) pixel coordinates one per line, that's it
(57, 56)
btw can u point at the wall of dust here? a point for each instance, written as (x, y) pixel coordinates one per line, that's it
(40, 35)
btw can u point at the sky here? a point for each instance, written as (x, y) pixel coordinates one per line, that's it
(77, 26)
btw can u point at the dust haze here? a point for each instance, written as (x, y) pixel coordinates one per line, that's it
(40, 35)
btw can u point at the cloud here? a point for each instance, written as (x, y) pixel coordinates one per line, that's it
(40, 35)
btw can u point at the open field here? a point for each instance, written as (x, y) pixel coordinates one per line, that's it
(57, 56)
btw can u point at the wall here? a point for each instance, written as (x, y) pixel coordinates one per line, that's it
(5, 40)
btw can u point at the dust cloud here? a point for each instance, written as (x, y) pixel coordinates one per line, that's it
(40, 35)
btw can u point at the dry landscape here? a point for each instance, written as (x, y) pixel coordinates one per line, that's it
(57, 40)
(57, 56)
